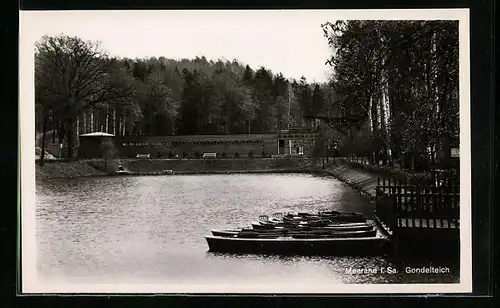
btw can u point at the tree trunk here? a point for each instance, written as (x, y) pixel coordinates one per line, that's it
(62, 132)
(78, 126)
(114, 122)
(116, 129)
(375, 128)
(69, 138)
(106, 121)
(44, 130)
(92, 128)
(151, 119)
(85, 122)
(433, 154)
(384, 117)
(53, 131)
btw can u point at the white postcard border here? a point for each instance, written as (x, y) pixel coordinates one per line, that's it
(30, 20)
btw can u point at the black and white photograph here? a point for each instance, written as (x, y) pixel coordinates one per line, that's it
(245, 151)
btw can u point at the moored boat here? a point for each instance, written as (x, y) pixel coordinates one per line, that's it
(333, 227)
(339, 227)
(276, 233)
(349, 234)
(300, 233)
(299, 244)
(262, 225)
(323, 216)
(228, 232)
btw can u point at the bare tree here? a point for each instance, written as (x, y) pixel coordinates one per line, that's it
(74, 75)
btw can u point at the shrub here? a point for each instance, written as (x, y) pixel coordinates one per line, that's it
(263, 154)
(185, 154)
(170, 155)
(250, 154)
(197, 154)
(223, 155)
(236, 155)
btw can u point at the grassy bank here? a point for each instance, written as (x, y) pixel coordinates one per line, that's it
(71, 169)
(192, 166)
(66, 169)
(363, 180)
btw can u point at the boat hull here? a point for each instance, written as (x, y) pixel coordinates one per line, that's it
(293, 246)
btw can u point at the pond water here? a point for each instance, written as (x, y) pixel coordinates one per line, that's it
(151, 229)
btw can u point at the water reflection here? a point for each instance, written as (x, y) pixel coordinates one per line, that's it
(151, 229)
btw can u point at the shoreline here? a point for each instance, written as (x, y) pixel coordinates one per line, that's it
(359, 178)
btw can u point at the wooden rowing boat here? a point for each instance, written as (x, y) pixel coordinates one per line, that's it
(269, 226)
(250, 233)
(299, 233)
(371, 243)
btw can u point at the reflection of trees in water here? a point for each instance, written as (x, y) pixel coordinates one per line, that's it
(352, 201)
(341, 198)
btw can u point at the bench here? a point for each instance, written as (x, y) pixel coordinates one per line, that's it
(209, 155)
(143, 156)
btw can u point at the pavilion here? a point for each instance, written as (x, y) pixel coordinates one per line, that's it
(90, 144)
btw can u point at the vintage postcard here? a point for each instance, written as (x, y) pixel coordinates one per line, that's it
(271, 151)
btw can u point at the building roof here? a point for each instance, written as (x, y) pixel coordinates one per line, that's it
(235, 137)
(97, 134)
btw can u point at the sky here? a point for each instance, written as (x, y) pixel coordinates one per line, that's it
(288, 42)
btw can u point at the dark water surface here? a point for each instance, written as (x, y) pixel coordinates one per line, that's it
(151, 229)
